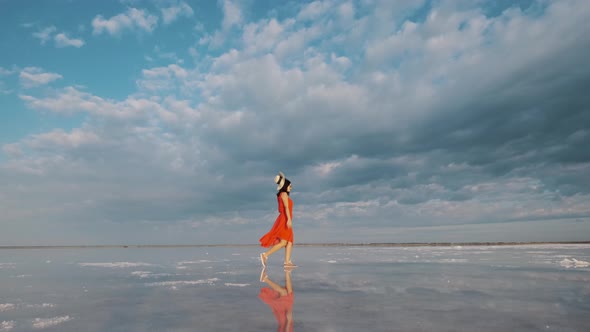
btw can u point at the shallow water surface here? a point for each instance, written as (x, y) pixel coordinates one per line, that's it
(472, 288)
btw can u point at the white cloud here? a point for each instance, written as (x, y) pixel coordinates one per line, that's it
(58, 137)
(164, 78)
(292, 45)
(62, 40)
(4, 90)
(45, 34)
(262, 36)
(232, 14)
(326, 168)
(32, 76)
(12, 150)
(256, 82)
(315, 9)
(405, 40)
(341, 61)
(346, 11)
(70, 100)
(215, 41)
(226, 60)
(171, 56)
(193, 52)
(170, 14)
(132, 19)
(6, 72)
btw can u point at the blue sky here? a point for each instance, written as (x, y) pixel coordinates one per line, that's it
(165, 122)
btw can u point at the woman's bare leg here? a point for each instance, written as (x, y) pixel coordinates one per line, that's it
(272, 250)
(288, 250)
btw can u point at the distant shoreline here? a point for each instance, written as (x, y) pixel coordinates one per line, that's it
(384, 244)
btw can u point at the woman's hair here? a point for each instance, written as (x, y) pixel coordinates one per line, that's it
(284, 188)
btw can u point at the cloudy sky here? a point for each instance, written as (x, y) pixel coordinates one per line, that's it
(165, 122)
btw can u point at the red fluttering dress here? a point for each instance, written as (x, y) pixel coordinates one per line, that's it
(279, 230)
(281, 306)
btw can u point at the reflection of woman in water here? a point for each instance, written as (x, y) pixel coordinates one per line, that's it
(281, 233)
(279, 299)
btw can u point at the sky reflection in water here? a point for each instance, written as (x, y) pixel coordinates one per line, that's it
(524, 288)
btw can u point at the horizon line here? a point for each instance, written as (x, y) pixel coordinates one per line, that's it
(329, 244)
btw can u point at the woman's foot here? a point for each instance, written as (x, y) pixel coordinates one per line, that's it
(263, 259)
(290, 264)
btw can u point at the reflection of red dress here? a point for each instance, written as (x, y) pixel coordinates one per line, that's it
(280, 306)
(279, 230)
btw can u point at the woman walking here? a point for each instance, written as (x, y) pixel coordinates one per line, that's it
(281, 233)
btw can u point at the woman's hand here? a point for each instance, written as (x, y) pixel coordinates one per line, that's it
(289, 223)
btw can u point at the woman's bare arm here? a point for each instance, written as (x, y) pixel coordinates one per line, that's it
(285, 199)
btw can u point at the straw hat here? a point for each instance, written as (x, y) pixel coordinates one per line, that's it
(280, 180)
